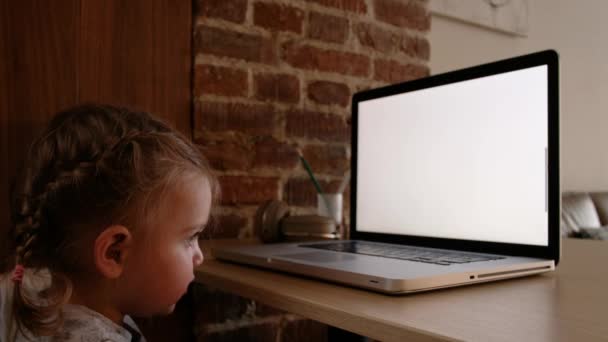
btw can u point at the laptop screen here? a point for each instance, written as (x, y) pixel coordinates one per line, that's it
(462, 159)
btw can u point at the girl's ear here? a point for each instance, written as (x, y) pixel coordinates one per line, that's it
(111, 249)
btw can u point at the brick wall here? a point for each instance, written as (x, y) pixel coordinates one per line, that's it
(272, 76)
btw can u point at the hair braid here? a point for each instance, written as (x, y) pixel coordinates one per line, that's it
(28, 228)
(44, 319)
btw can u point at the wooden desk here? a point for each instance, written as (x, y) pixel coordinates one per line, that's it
(570, 304)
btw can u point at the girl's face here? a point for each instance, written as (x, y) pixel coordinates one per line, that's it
(161, 267)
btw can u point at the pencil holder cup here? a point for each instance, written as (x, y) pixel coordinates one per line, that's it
(330, 205)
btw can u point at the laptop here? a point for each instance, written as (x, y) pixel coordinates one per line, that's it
(455, 181)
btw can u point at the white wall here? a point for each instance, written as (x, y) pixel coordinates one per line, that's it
(576, 30)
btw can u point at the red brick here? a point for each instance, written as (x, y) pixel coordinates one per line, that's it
(408, 45)
(328, 28)
(416, 47)
(248, 190)
(227, 155)
(328, 159)
(346, 201)
(273, 87)
(270, 152)
(394, 72)
(312, 125)
(233, 44)
(244, 118)
(304, 330)
(357, 6)
(230, 10)
(261, 332)
(326, 92)
(209, 79)
(376, 38)
(403, 13)
(423, 48)
(278, 17)
(313, 58)
(302, 192)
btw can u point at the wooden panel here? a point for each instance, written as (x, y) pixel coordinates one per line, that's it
(137, 53)
(37, 78)
(54, 54)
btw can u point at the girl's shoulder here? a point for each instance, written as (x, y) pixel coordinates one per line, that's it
(6, 300)
(84, 324)
(33, 281)
(80, 323)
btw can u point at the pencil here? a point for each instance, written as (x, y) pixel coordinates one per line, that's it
(310, 174)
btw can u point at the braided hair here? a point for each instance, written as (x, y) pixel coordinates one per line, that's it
(93, 166)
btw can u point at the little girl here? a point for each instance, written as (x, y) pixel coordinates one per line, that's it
(106, 218)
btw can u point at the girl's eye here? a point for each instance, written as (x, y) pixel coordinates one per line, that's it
(194, 237)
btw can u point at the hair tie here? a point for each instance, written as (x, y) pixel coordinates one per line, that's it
(18, 273)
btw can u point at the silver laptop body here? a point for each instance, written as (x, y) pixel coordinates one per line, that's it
(455, 180)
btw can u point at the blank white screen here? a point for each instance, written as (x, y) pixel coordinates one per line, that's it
(461, 161)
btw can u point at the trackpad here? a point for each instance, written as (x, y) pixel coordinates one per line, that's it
(318, 257)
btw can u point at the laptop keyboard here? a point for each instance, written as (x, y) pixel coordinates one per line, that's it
(418, 254)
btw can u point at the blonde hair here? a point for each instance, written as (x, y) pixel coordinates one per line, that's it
(93, 166)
